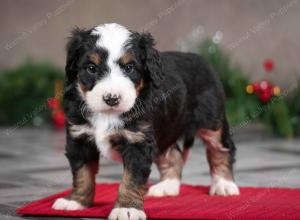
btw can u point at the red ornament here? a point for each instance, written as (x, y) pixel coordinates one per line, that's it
(264, 89)
(266, 86)
(268, 65)
(59, 119)
(256, 87)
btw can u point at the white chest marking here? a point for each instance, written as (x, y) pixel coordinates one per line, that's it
(105, 126)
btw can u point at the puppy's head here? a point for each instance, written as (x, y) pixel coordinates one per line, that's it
(111, 66)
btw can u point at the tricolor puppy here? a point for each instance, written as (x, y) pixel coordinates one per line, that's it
(127, 101)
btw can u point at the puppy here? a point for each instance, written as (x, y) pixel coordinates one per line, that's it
(129, 102)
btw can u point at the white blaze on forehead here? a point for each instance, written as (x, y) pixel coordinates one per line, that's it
(113, 37)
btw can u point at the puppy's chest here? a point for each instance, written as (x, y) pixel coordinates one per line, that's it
(102, 130)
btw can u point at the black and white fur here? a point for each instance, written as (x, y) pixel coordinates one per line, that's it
(134, 104)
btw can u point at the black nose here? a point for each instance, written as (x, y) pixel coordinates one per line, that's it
(111, 100)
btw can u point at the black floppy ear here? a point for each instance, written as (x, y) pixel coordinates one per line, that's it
(74, 47)
(152, 61)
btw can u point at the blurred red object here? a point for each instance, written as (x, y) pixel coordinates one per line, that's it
(53, 103)
(256, 87)
(58, 116)
(268, 65)
(59, 119)
(264, 89)
(265, 97)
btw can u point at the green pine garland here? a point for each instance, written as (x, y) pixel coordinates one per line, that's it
(24, 92)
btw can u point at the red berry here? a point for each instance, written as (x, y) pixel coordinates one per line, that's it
(265, 86)
(256, 87)
(265, 97)
(268, 65)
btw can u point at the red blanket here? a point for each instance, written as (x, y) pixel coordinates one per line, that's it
(192, 203)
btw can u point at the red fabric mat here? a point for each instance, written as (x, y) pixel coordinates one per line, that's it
(193, 203)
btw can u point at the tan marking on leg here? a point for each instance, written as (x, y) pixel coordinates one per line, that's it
(217, 155)
(219, 162)
(170, 164)
(130, 195)
(84, 184)
(212, 138)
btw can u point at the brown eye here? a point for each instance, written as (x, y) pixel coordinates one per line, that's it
(91, 68)
(129, 68)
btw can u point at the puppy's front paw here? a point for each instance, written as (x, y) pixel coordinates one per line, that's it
(65, 204)
(127, 214)
(222, 187)
(168, 187)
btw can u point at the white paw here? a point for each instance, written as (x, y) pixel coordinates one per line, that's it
(127, 214)
(65, 204)
(223, 187)
(168, 187)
